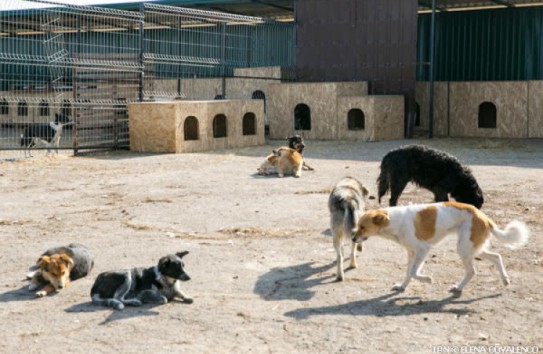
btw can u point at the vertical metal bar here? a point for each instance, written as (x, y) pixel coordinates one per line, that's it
(431, 78)
(142, 50)
(293, 75)
(223, 59)
(75, 88)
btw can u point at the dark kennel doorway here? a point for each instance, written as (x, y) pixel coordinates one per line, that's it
(487, 115)
(249, 124)
(190, 128)
(219, 126)
(356, 120)
(302, 117)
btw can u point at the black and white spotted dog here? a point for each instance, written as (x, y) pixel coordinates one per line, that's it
(137, 286)
(432, 169)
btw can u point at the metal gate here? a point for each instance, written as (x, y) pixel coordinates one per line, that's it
(88, 63)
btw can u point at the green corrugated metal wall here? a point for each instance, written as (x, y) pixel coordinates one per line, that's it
(492, 45)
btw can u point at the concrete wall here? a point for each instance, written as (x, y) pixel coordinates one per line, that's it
(159, 126)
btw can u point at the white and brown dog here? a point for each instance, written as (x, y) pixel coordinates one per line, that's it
(283, 161)
(418, 227)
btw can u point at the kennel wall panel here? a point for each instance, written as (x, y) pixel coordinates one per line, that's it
(535, 109)
(509, 97)
(159, 126)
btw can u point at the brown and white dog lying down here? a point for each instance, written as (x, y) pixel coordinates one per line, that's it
(58, 266)
(418, 227)
(296, 142)
(283, 161)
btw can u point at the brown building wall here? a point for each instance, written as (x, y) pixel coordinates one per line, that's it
(358, 40)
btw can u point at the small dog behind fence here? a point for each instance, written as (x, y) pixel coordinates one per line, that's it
(46, 134)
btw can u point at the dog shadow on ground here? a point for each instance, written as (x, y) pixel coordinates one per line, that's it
(294, 282)
(115, 315)
(21, 294)
(392, 304)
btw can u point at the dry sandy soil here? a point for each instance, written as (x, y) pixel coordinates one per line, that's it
(261, 256)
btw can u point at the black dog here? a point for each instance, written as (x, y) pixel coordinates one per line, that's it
(432, 169)
(296, 142)
(43, 131)
(137, 286)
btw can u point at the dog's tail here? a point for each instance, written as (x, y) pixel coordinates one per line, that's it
(383, 184)
(515, 234)
(349, 219)
(348, 215)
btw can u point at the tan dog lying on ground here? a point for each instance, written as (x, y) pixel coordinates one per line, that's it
(283, 161)
(58, 266)
(418, 227)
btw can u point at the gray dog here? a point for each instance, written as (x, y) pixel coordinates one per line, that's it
(347, 202)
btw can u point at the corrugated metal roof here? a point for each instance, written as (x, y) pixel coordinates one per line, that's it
(450, 5)
(284, 9)
(276, 9)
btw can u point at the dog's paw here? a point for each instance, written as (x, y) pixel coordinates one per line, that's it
(188, 300)
(118, 306)
(398, 288)
(426, 279)
(506, 281)
(41, 293)
(455, 290)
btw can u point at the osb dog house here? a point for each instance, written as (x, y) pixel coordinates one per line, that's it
(191, 126)
(329, 111)
(334, 111)
(487, 109)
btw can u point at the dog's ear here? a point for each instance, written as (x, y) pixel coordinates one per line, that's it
(164, 261)
(42, 261)
(182, 254)
(380, 219)
(67, 259)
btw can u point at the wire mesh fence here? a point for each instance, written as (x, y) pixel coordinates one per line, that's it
(78, 67)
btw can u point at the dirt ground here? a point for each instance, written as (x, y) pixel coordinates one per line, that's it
(261, 256)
